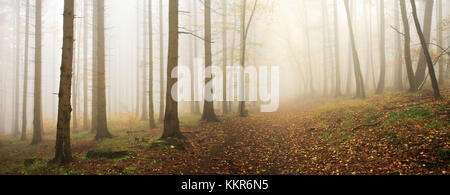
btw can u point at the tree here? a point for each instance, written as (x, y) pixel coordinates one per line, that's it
(398, 80)
(171, 121)
(161, 59)
(94, 65)
(63, 153)
(193, 54)
(244, 32)
(208, 108)
(16, 89)
(422, 64)
(150, 79)
(308, 44)
(407, 48)
(138, 41)
(360, 91)
(336, 50)
(423, 42)
(381, 82)
(144, 66)
(324, 41)
(102, 126)
(37, 120)
(85, 66)
(439, 29)
(225, 57)
(25, 71)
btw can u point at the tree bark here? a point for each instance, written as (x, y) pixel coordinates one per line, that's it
(437, 93)
(16, 90)
(150, 71)
(407, 48)
(85, 66)
(225, 57)
(208, 108)
(102, 126)
(94, 65)
(161, 58)
(358, 75)
(398, 80)
(422, 64)
(138, 35)
(439, 29)
(25, 70)
(336, 50)
(144, 65)
(381, 82)
(63, 153)
(37, 120)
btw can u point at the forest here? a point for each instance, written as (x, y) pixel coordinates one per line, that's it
(224, 87)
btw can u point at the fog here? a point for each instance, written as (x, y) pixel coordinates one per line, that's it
(278, 36)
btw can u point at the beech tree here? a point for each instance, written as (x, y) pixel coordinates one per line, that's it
(37, 120)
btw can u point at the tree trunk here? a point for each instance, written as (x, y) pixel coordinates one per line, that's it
(311, 86)
(194, 86)
(358, 76)
(422, 64)
(440, 28)
(407, 48)
(336, 50)
(144, 65)
(37, 120)
(150, 71)
(381, 82)
(25, 71)
(94, 65)
(208, 108)
(437, 93)
(63, 153)
(161, 58)
(102, 126)
(171, 122)
(85, 66)
(225, 57)
(398, 80)
(242, 111)
(16, 90)
(138, 35)
(324, 37)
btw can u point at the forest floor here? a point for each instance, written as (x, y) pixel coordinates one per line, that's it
(395, 133)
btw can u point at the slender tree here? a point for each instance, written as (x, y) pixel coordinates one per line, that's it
(25, 71)
(381, 82)
(63, 153)
(138, 41)
(16, 89)
(225, 57)
(422, 64)
(37, 120)
(102, 126)
(434, 82)
(94, 65)
(336, 50)
(308, 44)
(150, 71)
(407, 48)
(360, 91)
(171, 122)
(161, 59)
(439, 29)
(324, 41)
(208, 108)
(144, 65)
(85, 66)
(398, 80)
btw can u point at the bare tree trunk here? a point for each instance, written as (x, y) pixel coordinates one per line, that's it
(336, 51)
(421, 66)
(94, 65)
(85, 66)
(37, 120)
(76, 67)
(311, 86)
(358, 76)
(63, 153)
(161, 58)
(138, 35)
(324, 37)
(398, 80)
(208, 108)
(437, 93)
(408, 61)
(102, 126)
(242, 111)
(440, 28)
(195, 87)
(25, 70)
(144, 65)
(233, 49)
(171, 122)
(16, 89)
(150, 71)
(381, 82)
(225, 57)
